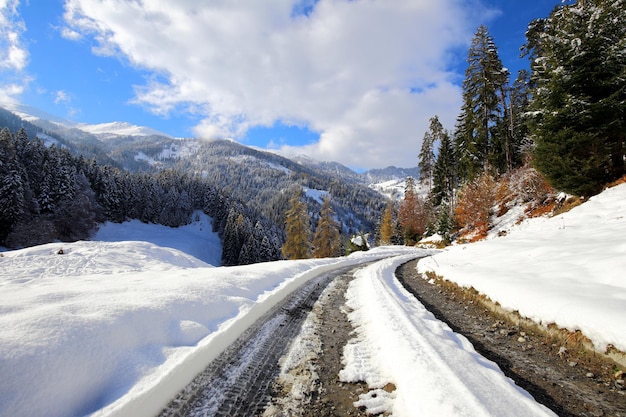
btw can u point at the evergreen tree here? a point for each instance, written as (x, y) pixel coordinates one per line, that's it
(484, 106)
(298, 233)
(427, 153)
(12, 201)
(234, 238)
(521, 145)
(444, 172)
(326, 240)
(578, 96)
(445, 222)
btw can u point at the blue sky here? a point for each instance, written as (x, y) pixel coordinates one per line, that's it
(350, 81)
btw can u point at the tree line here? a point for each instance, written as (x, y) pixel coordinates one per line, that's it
(563, 122)
(326, 241)
(48, 194)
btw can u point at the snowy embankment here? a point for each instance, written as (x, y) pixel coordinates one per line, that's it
(567, 270)
(434, 371)
(118, 328)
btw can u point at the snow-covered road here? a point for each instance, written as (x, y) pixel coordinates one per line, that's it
(435, 371)
(121, 333)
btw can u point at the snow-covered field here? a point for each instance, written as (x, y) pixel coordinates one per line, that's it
(568, 270)
(115, 327)
(196, 239)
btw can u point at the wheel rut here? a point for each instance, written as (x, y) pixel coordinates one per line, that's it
(243, 380)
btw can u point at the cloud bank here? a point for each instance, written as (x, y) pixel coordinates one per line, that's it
(366, 74)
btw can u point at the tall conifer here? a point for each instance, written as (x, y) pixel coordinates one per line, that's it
(427, 154)
(579, 96)
(326, 242)
(298, 233)
(484, 105)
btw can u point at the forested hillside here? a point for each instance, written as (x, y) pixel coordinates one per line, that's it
(49, 184)
(49, 194)
(558, 128)
(266, 181)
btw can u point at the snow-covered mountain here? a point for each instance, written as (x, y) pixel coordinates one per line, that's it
(32, 114)
(143, 148)
(115, 129)
(101, 130)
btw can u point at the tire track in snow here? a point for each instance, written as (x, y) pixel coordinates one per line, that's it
(239, 382)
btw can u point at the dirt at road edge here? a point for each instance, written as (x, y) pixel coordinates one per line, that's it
(571, 382)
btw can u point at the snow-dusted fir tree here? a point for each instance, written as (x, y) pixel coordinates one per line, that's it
(484, 107)
(297, 230)
(236, 231)
(326, 240)
(579, 96)
(426, 156)
(444, 172)
(12, 201)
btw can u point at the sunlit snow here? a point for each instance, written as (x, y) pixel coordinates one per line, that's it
(117, 326)
(567, 270)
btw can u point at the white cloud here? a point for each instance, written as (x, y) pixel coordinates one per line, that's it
(61, 97)
(70, 34)
(344, 68)
(13, 56)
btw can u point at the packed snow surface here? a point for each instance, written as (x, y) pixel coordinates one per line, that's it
(567, 270)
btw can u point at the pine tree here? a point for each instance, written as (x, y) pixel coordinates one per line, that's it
(12, 201)
(298, 233)
(233, 239)
(484, 106)
(521, 145)
(427, 153)
(444, 173)
(578, 96)
(326, 240)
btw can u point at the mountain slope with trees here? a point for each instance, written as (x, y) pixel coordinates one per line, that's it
(557, 128)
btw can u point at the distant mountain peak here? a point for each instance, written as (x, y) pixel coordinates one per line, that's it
(31, 114)
(113, 129)
(101, 130)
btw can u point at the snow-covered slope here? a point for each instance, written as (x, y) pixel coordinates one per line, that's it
(101, 130)
(114, 129)
(567, 270)
(196, 239)
(32, 114)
